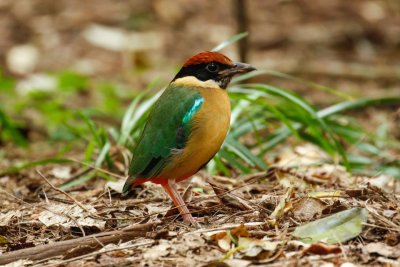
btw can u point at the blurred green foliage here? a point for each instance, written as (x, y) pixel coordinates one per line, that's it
(89, 111)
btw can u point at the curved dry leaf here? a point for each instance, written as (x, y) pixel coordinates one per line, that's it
(225, 243)
(158, 251)
(252, 247)
(382, 249)
(69, 216)
(5, 218)
(323, 249)
(308, 208)
(241, 230)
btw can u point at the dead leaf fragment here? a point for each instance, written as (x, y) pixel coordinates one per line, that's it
(225, 239)
(252, 247)
(230, 200)
(382, 249)
(5, 218)
(241, 230)
(284, 205)
(238, 262)
(62, 172)
(308, 208)
(323, 249)
(69, 216)
(158, 251)
(225, 243)
(116, 185)
(389, 213)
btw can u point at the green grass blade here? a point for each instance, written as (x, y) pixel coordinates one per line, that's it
(8, 129)
(103, 154)
(309, 83)
(231, 159)
(231, 40)
(358, 103)
(135, 117)
(26, 165)
(81, 180)
(244, 153)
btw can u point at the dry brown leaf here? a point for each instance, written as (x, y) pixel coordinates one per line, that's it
(284, 205)
(5, 218)
(225, 243)
(224, 239)
(382, 249)
(69, 216)
(230, 200)
(389, 213)
(158, 251)
(252, 247)
(322, 249)
(61, 172)
(116, 185)
(240, 231)
(308, 208)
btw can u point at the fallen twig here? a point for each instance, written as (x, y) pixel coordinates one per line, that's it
(101, 252)
(228, 227)
(93, 242)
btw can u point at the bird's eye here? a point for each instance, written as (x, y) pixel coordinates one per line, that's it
(212, 67)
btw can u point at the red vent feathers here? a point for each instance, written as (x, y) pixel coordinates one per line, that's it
(205, 57)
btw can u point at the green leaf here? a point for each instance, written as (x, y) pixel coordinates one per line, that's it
(316, 125)
(103, 154)
(71, 81)
(337, 228)
(93, 129)
(358, 103)
(79, 181)
(8, 130)
(6, 83)
(134, 118)
(307, 82)
(232, 160)
(244, 153)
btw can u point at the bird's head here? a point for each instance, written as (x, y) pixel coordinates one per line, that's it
(210, 69)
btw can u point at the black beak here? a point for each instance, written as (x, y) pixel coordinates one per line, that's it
(238, 68)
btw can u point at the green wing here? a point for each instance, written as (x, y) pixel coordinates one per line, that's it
(167, 129)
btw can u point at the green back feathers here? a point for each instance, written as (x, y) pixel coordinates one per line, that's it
(167, 129)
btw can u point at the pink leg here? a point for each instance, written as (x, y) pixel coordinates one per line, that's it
(170, 188)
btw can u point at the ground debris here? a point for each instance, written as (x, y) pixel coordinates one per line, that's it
(58, 214)
(281, 200)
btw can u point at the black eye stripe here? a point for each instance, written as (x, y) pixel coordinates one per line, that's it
(201, 71)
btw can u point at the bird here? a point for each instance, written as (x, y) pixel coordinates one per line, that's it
(186, 126)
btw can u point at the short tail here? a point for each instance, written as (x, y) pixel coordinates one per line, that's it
(130, 183)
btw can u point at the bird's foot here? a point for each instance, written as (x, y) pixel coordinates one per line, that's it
(188, 218)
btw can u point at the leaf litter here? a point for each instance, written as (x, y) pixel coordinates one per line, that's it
(303, 215)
